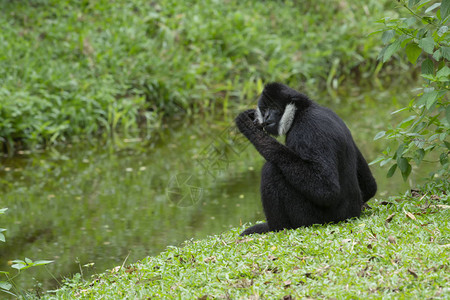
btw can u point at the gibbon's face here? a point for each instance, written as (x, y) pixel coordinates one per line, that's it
(276, 119)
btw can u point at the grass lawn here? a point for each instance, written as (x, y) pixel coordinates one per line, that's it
(398, 249)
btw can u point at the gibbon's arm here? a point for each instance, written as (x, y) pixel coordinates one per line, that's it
(367, 183)
(318, 179)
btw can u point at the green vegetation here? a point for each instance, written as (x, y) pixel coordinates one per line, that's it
(70, 70)
(426, 39)
(82, 68)
(8, 287)
(397, 250)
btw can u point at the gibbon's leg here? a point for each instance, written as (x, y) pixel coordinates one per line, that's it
(258, 228)
(272, 189)
(273, 193)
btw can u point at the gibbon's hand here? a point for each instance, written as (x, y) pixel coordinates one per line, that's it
(245, 121)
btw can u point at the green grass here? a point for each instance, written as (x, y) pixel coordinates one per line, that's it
(83, 68)
(397, 250)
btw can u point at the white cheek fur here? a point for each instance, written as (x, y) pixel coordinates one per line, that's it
(259, 116)
(286, 119)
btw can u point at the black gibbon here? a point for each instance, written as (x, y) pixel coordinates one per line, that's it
(319, 176)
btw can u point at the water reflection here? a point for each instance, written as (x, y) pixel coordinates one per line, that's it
(105, 204)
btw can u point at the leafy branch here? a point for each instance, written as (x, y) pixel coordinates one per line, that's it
(425, 131)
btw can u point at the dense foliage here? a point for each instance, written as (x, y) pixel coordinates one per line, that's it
(71, 68)
(425, 36)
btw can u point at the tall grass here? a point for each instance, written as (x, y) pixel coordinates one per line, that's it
(79, 68)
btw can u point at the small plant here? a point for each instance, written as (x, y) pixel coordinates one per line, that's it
(8, 285)
(5, 286)
(425, 36)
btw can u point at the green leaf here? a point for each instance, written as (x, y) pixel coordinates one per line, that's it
(411, 3)
(2, 210)
(386, 161)
(421, 33)
(443, 158)
(400, 149)
(406, 122)
(444, 72)
(447, 114)
(387, 36)
(410, 22)
(432, 7)
(442, 30)
(406, 173)
(422, 3)
(447, 144)
(379, 135)
(405, 41)
(391, 171)
(419, 127)
(420, 153)
(431, 102)
(402, 163)
(445, 51)
(445, 8)
(429, 97)
(429, 77)
(427, 44)
(427, 20)
(433, 137)
(5, 285)
(376, 32)
(391, 49)
(400, 110)
(2, 237)
(20, 266)
(18, 261)
(413, 134)
(427, 66)
(376, 160)
(413, 52)
(42, 262)
(437, 54)
(381, 54)
(419, 142)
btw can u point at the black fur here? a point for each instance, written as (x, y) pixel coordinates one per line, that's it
(318, 177)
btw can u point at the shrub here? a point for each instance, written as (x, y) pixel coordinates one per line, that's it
(425, 38)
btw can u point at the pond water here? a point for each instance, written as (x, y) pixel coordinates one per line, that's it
(90, 207)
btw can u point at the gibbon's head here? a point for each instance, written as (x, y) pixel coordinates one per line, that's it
(276, 108)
